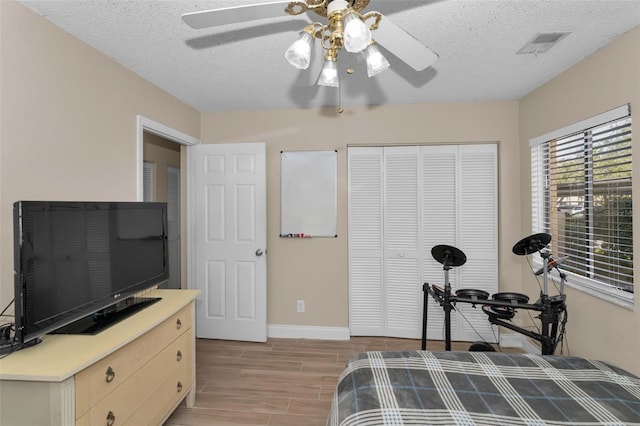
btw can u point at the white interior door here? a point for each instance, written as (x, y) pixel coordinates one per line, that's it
(173, 219)
(230, 216)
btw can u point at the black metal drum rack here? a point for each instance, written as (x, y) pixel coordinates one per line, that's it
(501, 307)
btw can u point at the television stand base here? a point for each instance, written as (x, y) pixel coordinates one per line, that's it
(105, 318)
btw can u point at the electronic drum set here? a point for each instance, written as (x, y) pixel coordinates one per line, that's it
(502, 307)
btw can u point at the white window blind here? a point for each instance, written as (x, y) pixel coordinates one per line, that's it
(581, 195)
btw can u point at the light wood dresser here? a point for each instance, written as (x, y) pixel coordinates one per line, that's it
(133, 373)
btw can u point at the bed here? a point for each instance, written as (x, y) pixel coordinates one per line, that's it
(482, 388)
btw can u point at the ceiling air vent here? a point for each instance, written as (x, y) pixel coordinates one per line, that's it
(542, 42)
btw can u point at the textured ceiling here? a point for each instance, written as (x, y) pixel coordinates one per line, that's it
(242, 66)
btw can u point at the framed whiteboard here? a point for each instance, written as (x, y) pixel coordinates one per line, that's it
(308, 194)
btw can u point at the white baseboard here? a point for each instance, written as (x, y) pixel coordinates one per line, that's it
(284, 331)
(307, 332)
(510, 340)
(530, 347)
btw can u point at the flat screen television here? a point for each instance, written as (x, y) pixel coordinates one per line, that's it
(78, 264)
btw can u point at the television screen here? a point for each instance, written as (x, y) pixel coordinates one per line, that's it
(75, 258)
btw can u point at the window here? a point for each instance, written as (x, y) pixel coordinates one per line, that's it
(581, 195)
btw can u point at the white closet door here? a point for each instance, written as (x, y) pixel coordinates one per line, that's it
(402, 202)
(440, 223)
(478, 236)
(402, 224)
(366, 298)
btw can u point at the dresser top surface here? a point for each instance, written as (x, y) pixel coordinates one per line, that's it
(60, 356)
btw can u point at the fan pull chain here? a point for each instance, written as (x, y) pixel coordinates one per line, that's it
(340, 110)
(350, 69)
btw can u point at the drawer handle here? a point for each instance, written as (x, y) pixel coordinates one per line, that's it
(179, 356)
(110, 374)
(111, 418)
(179, 387)
(178, 324)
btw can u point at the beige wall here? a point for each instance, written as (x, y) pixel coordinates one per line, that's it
(316, 269)
(68, 117)
(607, 79)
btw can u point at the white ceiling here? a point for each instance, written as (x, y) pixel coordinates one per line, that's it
(242, 66)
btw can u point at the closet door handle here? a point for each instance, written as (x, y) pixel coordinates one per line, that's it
(110, 375)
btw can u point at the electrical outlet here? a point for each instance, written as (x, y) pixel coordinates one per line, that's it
(300, 305)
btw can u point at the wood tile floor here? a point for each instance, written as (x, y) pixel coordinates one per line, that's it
(281, 382)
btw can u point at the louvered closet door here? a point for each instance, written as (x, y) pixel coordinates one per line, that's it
(402, 202)
(366, 297)
(440, 201)
(460, 209)
(401, 250)
(478, 236)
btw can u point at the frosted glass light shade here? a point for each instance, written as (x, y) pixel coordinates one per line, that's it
(376, 62)
(329, 74)
(299, 53)
(357, 35)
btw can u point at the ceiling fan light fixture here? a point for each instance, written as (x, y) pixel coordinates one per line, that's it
(345, 26)
(357, 36)
(329, 74)
(299, 53)
(376, 62)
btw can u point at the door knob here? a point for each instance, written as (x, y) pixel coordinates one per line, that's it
(259, 252)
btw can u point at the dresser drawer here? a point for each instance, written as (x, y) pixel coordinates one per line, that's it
(158, 406)
(118, 406)
(100, 379)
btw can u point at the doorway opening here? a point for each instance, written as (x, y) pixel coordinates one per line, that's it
(162, 173)
(162, 168)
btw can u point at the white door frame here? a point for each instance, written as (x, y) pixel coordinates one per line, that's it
(145, 124)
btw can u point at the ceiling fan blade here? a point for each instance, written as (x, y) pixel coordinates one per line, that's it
(404, 45)
(233, 15)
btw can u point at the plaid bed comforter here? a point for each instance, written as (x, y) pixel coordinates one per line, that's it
(482, 388)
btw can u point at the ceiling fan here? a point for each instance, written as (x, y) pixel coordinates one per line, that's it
(346, 27)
